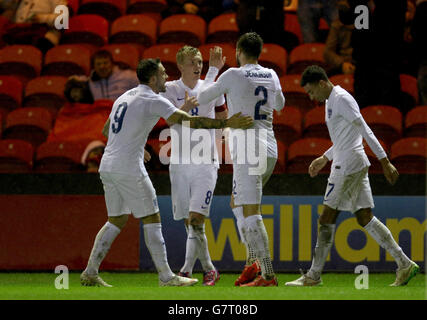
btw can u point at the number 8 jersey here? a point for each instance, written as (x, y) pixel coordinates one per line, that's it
(252, 90)
(133, 116)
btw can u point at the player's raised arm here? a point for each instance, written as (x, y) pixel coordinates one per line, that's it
(237, 121)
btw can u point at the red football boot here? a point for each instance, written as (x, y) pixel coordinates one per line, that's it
(249, 273)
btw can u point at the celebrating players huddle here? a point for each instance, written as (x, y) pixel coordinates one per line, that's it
(253, 93)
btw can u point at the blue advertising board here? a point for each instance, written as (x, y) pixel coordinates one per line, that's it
(291, 224)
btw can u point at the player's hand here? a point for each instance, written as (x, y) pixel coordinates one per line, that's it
(215, 58)
(147, 156)
(390, 171)
(317, 165)
(189, 103)
(238, 121)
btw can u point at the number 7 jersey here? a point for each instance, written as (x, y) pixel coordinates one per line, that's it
(252, 90)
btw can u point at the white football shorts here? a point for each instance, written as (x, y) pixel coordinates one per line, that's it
(247, 188)
(192, 188)
(125, 194)
(349, 192)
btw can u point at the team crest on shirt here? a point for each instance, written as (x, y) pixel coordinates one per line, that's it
(329, 113)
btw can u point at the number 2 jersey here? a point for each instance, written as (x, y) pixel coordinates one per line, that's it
(133, 116)
(252, 90)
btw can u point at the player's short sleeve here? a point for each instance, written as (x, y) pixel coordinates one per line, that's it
(277, 85)
(162, 108)
(348, 108)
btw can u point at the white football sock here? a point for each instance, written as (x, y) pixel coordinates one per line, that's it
(101, 246)
(156, 245)
(258, 239)
(191, 251)
(325, 237)
(383, 237)
(203, 252)
(240, 220)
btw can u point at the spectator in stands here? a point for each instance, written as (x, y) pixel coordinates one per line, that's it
(418, 31)
(77, 90)
(40, 14)
(338, 49)
(207, 9)
(107, 80)
(309, 14)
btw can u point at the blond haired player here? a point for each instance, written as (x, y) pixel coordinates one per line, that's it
(193, 176)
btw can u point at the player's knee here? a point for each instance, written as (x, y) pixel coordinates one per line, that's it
(119, 221)
(364, 216)
(196, 219)
(154, 218)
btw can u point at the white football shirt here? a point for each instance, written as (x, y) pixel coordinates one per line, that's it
(252, 90)
(175, 93)
(133, 116)
(347, 152)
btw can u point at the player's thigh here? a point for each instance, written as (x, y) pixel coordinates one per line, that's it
(180, 191)
(247, 188)
(202, 188)
(114, 201)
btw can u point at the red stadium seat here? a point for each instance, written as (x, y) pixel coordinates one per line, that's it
(228, 51)
(159, 157)
(167, 54)
(10, 93)
(16, 156)
(67, 60)
(303, 151)
(409, 155)
(73, 7)
(345, 81)
(409, 92)
(187, 28)
(274, 56)
(46, 92)
(416, 122)
(86, 29)
(295, 94)
(60, 156)
(385, 122)
(30, 124)
(22, 61)
(305, 55)
(375, 163)
(126, 55)
(292, 25)
(108, 9)
(287, 124)
(134, 28)
(223, 28)
(314, 124)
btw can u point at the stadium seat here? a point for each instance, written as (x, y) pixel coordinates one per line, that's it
(183, 28)
(16, 156)
(409, 155)
(295, 94)
(416, 122)
(375, 163)
(167, 54)
(303, 151)
(409, 92)
(275, 57)
(46, 92)
(11, 90)
(385, 122)
(228, 51)
(73, 7)
(314, 124)
(125, 55)
(305, 55)
(29, 124)
(345, 81)
(86, 29)
(108, 9)
(159, 161)
(60, 156)
(67, 60)
(287, 124)
(143, 6)
(292, 25)
(139, 29)
(223, 28)
(22, 61)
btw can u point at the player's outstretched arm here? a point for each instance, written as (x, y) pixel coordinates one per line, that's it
(237, 121)
(390, 171)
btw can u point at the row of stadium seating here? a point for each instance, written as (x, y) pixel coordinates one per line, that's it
(408, 155)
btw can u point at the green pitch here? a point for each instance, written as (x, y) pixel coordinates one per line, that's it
(142, 286)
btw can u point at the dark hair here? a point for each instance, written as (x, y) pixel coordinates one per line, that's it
(77, 84)
(146, 69)
(313, 74)
(251, 44)
(101, 54)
